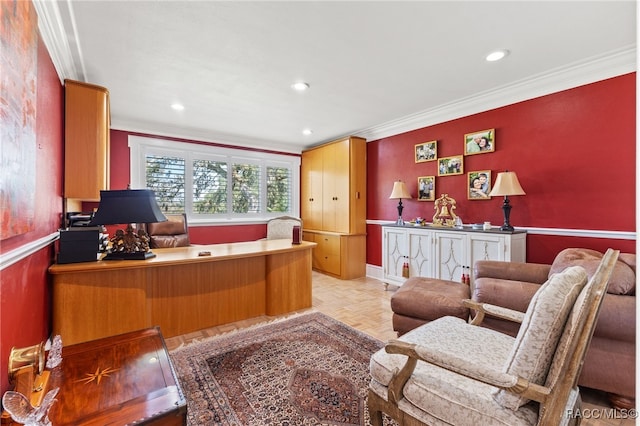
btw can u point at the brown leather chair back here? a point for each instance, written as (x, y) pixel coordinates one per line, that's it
(172, 233)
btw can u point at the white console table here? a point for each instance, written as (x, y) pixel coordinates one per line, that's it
(443, 253)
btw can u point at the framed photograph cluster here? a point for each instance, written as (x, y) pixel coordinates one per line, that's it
(480, 142)
(478, 182)
(426, 188)
(427, 151)
(479, 185)
(449, 166)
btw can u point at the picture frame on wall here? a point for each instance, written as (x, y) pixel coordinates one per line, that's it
(426, 188)
(479, 185)
(427, 151)
(449, 166)
(480, 142)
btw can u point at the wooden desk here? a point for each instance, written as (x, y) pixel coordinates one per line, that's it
(124, 379)
(180, 291)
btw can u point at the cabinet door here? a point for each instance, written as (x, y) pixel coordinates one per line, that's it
(450, 255)
(486, 247)
(87, 121)
(394, 252)
(420, 254)
(327, 253)
(311, 191)
(335, 187)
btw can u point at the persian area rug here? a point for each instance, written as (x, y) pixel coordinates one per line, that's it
(303, 370)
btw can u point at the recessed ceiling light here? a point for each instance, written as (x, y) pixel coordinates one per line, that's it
(177, 107)
(300, 86)
(307, 132)
(497, 55)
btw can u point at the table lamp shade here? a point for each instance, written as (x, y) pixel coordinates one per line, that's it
(127, 206)
(507, 184)
(399, 191)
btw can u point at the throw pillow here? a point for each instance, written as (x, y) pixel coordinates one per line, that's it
(623, 280)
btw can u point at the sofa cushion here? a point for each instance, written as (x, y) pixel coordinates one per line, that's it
(623, 280)
(543, 324)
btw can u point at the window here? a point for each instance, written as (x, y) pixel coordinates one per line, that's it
(215, 184)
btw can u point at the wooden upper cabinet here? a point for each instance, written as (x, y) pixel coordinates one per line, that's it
(311, 189)
(334, 195)
(86, 150)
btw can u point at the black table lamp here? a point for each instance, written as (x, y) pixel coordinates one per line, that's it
(128, 206)
(506, 184)
(399, 192)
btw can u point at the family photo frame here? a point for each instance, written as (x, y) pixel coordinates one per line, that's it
(480, 142)
(426, 151)
(479, 185)
(426, 188)
(449, 166)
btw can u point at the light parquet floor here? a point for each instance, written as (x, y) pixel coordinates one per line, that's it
(364, 304)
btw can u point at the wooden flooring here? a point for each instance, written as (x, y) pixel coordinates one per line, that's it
(364, 304)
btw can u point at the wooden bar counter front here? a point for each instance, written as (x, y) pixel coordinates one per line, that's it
(179, 290)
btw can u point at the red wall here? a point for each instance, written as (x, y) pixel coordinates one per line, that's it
(24, 286)
(573, 151)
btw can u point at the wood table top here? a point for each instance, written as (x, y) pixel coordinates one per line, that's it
(191, 254)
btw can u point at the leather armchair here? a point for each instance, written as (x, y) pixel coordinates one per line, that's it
(172, 233)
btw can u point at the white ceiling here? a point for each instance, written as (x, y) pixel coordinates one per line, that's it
(375, 68)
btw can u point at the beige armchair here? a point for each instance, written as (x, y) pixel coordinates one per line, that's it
(282, 227)
(451, 372)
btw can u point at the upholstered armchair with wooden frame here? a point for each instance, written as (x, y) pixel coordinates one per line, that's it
(282, 227)
(451, 372)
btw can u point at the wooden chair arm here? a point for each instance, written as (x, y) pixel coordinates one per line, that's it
(496, 378)
(482, 309)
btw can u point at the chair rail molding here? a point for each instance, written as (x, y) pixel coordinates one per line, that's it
(559, 232)
(16, 255)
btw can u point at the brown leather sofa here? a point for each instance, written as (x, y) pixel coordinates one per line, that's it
(610, 364)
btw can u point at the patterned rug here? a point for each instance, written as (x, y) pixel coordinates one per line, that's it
(304, 370)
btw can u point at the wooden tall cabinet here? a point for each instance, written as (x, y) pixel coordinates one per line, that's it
(333, 206)
(86, 150)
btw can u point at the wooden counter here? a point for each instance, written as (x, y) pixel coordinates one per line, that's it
(180, 291)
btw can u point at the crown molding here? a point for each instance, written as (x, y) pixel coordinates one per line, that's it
(622, 61)
(54, 17)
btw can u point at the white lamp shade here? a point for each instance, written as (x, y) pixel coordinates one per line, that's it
(399, 191)
(507, 184)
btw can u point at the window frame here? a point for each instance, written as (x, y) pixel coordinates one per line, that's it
(140, 146)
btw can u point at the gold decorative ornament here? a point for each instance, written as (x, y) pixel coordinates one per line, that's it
(445, 215)
(30, 356)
